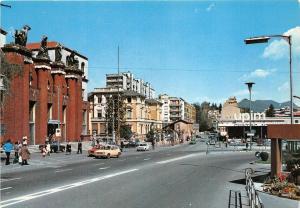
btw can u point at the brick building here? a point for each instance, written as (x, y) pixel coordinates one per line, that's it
(45, 95)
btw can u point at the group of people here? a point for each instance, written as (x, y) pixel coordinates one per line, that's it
(22, 154)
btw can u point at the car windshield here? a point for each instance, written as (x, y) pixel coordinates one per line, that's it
(143, 145)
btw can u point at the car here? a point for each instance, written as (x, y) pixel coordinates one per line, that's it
(193, 141)
(107, 151)
(143, 147)
(212, 142)
(131, 144)
(92, 150)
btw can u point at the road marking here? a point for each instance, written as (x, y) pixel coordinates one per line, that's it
(5, 188)
(11, 179)
(99, 164)
(147, 159)
(62, 170)
(20, 199)
(178, 158)
(104, 168)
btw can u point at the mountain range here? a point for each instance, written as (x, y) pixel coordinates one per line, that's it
(262, 105)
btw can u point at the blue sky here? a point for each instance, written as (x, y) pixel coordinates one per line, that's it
(193, 50)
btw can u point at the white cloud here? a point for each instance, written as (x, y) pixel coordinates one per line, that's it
(284, 87)
(258, 73)
(210, 7)
(279, 48)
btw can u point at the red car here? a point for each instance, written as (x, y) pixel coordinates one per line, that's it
(92, 150)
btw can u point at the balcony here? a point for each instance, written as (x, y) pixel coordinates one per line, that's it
(174, 104)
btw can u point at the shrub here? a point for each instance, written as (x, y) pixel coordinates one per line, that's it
(264, 156)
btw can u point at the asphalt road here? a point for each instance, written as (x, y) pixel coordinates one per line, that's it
(176, 177)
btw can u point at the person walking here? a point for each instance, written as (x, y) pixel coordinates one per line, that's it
(79, 147)
(44, 151)
(8, 147)
(25, 154)
(153, 144)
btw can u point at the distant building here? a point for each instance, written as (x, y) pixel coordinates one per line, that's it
(3, 34)
(126, 81)
(233, 123)
(142, 114)
(174, 109)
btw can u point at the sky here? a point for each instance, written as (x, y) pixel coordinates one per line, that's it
(192, 49)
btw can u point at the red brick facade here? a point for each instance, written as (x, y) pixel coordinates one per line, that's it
(37, 94)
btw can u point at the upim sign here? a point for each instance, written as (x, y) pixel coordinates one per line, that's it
(246, 116)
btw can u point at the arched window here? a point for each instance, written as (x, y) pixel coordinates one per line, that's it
(82, 67)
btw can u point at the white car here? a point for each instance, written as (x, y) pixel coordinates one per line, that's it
(143, 147)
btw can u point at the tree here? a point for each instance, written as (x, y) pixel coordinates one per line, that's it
(115, 113)
(7, 71)
(125, 132)
(220, 108)
(150, 135)
(270, 112)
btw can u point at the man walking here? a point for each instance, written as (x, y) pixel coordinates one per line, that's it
(25, 154)
(8, 147)
(79, 147)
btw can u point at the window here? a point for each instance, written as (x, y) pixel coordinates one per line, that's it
(30, 78)
(99, 99)
(128, 113)
(82, 67)
(296, 121)
(129, 100)
(99, 114)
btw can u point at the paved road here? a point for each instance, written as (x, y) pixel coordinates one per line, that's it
(177, 177)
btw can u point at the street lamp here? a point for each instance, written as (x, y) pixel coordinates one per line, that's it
(296, 96)
(250, 84)
(288, 38)
(113, 119)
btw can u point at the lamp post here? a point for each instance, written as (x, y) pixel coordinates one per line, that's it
(288, 38)
(250, 84)
(113, 119)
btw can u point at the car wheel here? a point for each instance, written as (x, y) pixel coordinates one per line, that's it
(108, 156)
(119, 154)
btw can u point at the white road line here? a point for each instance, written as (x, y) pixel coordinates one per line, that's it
(20, 199)
(147, 159)
(5, 188)
(10, 179)
(104, 168)
(99, 164)
(179, 158)
(62, 170)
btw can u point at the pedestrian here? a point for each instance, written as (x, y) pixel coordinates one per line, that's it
(17, 148)
(247, 145)
(8, 147)
(153, 144)
(79, 147)
(25, 154)
(44, 150)
(48, 148)
(68, 148)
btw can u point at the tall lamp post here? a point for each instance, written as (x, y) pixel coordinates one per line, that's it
(113, 119)
(288, 38)
(250, 85)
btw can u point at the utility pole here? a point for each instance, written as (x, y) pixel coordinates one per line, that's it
(118, 105)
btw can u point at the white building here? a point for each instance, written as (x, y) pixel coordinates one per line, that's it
(2, 37)
(126, 81)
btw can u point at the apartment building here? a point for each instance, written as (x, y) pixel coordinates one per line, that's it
(127, 81)
(174, 109)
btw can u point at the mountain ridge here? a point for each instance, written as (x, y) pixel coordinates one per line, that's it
(262, 105)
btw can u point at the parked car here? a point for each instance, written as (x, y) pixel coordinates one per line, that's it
(108, 151)
(193, 141)
(132, 144)
(143, 147)
(212, 142)
(54, 147)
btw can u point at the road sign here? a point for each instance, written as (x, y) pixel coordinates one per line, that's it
(250, 134)
(58, 132)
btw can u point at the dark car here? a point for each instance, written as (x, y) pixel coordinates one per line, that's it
(54, 147)
(132, 144)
